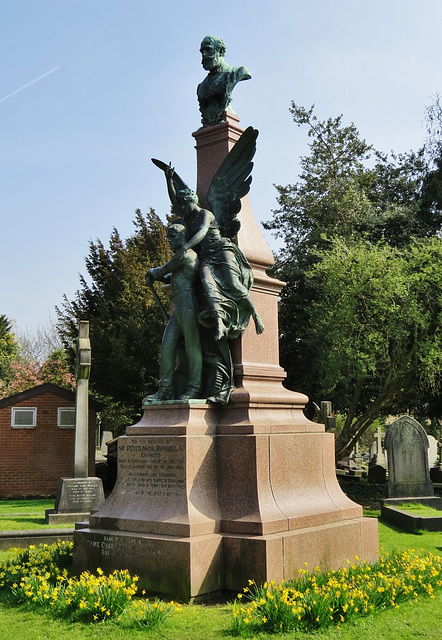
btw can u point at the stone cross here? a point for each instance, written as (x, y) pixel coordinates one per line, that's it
(380, 455)
(82, 401)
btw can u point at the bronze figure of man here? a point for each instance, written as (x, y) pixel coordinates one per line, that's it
(182, 270)
(215, 91)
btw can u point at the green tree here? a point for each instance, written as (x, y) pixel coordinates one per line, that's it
(340, 194)
(125, 323)
(346, 191)
(377, 322)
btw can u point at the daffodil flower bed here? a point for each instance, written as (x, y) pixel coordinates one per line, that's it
(318, 599)
(38, 577)
(53, 560)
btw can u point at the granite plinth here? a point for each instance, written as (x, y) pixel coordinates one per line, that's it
(279, 556)
(173, 566)
(207, 510)
(166, 485)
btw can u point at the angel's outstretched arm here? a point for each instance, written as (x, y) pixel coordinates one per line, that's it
(171, 190)
(206, 218)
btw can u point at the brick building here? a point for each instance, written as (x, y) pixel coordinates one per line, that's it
(37, 433)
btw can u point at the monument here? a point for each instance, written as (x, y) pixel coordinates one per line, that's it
(78, 496)
(225, 480)
(407, 445)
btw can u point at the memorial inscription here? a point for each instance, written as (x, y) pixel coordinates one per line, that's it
(80, 493)
(155, 469)
(120, 547)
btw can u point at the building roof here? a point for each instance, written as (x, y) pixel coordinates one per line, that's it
(39, 390)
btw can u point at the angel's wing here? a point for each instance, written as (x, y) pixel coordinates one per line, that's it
(178, 182)
(232, 182)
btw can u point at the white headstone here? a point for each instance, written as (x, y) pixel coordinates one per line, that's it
(105, 437)
(432, 451)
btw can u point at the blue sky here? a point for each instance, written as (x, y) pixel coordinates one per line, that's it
(90, 90)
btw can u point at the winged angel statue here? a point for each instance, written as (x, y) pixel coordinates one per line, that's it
(221, 291)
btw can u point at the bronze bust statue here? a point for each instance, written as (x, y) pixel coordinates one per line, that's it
(215, 91)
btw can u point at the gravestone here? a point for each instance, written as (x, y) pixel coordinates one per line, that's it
(377, 466)
(325, 415)
(432, 451)
(78, 496)
(406, 444)
(380, 455)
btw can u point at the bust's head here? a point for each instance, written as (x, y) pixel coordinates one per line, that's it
(213, 50)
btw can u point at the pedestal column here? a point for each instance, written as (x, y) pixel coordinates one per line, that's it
(258, 375)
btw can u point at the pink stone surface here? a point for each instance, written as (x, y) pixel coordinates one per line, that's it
(252, 558)
(244, 492)
(179, 568)
(298, 481)
(179, 418)
(327, 546)
(166, 485)
(370, 539)
(280, 556)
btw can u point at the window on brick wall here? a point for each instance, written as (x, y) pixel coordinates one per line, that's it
(66, 417)
(24, 418)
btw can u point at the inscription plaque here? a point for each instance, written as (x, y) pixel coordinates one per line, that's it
(154, 469)
(157, 491)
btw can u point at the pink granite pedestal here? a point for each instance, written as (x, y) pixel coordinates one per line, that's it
(209, 497)
(199, 507)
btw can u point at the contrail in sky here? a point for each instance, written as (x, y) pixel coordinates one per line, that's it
(25, 86)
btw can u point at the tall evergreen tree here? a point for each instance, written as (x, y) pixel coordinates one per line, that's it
(126, 325)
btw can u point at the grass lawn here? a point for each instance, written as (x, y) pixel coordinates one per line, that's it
(198, 622)
(423, 621)
(390, 538)
(420, 509)
(16, 515)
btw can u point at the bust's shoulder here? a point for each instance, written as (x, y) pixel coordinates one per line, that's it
(242, 73)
